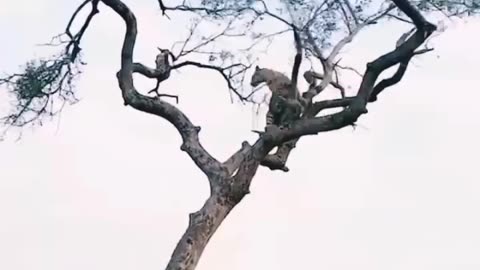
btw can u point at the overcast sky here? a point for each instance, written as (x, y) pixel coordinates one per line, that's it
(108, 188)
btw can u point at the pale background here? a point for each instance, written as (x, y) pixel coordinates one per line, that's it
(108, 188)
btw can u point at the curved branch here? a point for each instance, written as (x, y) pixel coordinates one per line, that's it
(221, 71)
(75, 40)
(72, 18)
(328, 62)
(332, 82)
(189, 132)
(357, 106)
(396, 77)
(278, 160)
(226, 191)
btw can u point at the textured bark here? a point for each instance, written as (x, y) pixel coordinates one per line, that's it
(226, 190)
(230, 180)
(368, 90)
(226, 193)
(278, 160)
(202, 225)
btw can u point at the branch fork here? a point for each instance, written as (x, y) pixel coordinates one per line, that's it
(230, 180)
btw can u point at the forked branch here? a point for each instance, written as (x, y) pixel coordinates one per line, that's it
(328, 63)
(230, 181)
(357, 106)
(189, 132)
(227, 73)
(233, 163)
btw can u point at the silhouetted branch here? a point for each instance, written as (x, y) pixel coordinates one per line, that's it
(297, 62)
(230, 181)
(222, 70)
(233, 163)
(75, 39)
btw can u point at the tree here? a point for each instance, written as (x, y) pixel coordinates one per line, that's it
(45, 82)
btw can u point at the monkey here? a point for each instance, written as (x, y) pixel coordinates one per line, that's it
(285, 105)
(163, 67)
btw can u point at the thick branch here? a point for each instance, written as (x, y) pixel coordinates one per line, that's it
(233, 163)
(396, 78)
(225, 195)
(278, 160)
(202, 225)
(226, 192)
(329, 104)
(332, 82)
(132, 97)
(148, 72)
(417, 18)
(382, 85)
(357, 106)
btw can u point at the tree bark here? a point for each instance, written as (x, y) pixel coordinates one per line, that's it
(230, 181)
(201, 227)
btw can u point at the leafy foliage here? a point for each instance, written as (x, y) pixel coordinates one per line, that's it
(451, 8)
(41, 89)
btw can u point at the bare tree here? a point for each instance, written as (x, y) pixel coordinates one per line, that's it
(316, 25)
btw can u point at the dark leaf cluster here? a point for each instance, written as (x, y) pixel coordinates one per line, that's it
(40, 90)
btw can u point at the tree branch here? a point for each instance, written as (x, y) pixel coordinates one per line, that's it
(221, 71)
(189, 133)
(414, 14)
(328, 62)
(230, 11)
(357, 106)
(352, 12)
(332, 82)
(227, 190)
(346, 19)
(233, 163)
(297, 62)
(163, 8)
(396, 78)
(75, 40)
(278, 160)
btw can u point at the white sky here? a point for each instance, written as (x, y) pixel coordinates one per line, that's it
(110, 189)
